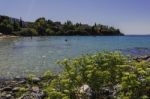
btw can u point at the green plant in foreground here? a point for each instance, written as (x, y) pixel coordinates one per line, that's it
(104, 69)
(136, 80)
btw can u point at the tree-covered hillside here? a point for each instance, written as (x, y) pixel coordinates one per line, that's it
(44, 27)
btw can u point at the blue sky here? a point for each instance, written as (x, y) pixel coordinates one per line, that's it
(131, 16)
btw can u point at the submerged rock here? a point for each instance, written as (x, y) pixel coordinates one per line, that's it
(37, 93)
(8, 96)
(36, 89)
(16, 89)
(22, 88)
(23, 81)
(142, 58)
(26, 96)
(36, 79)
(6, 89)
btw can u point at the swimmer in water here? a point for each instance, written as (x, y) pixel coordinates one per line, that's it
(66, 40)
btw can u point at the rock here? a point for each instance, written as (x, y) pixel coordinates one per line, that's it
(1, 34)
(20, 80)
(107, 91)
(148, 60)
(17, 78)
(2, 94)
(16, 89)
(43, 94)
(26, 96)
(36, 79)
(36, 89)
(23, 81)
(85, 89)
(8, 96)
(142, 58)
(7, 89)
(39, 95)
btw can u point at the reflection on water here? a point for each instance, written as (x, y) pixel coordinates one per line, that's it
(21, 56)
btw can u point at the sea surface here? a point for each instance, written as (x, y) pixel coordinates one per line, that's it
(25, 55)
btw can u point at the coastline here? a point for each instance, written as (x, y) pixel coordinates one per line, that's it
(7, 36)
(22, 88)
(33, 87)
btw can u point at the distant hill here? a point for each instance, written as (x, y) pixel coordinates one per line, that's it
(44, 27)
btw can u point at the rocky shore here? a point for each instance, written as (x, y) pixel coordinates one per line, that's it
(142, 58)
(26, 88)
(33, 87)
(22, 88)
(2, 36)
(7, 36)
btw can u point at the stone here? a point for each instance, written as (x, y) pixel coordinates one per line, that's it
(26, 96)
(142, 58)
(7, 89)
(1, 34)
(85, 89)
(39, 95)
(17, 78)
(8, 96)
(36, 89)
(36, 79)
(43, 94)
(16, 89)
(23, 81)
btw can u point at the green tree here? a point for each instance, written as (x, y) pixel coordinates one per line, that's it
(16, 26)
(21, 23)
(6, 25)
(26, 32)
(40, 25)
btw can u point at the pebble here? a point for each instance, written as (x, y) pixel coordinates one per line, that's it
(15, 89)
(10, 88)
(36, 79)
(23, 81)
(36, 89)
(8, 96)
(7, 89)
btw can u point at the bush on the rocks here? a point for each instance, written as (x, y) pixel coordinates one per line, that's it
(101, 71)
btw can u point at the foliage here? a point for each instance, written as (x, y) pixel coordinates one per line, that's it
(6, 26)
(26, 32)
(16, 26)
(45, 27)
(105, 69)
(135, 80)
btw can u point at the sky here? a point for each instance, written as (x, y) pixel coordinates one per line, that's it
(130, 16)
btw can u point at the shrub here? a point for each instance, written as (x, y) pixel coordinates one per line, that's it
(26, 32)
(99, 71)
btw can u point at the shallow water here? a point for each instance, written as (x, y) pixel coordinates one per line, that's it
(25, 55)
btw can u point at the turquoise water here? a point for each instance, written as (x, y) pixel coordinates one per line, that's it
(25, 55)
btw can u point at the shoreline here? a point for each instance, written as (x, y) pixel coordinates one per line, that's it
(145, 58)
(22, 88)
(33, 87)
(139, 58)
(7, 36)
